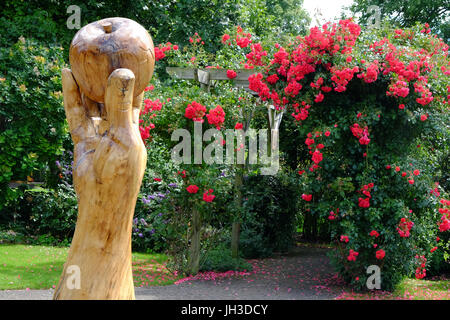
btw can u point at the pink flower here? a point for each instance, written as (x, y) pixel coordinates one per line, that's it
(307, 197)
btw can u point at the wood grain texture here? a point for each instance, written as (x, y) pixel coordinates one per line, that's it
(108, 171)
(112, 62)
(105, 45)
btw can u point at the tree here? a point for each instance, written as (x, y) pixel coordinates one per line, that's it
(263, 17)
(406, 13)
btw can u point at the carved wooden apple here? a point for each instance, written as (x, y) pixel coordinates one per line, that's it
(105, 45)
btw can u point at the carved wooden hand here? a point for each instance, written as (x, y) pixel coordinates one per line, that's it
(109, 163)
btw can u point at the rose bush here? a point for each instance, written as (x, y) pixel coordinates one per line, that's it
(366, 104)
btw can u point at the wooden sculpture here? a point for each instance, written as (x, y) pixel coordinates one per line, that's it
(112, 61)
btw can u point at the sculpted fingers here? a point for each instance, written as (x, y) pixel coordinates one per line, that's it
(79, 124)
(119, 98)
(137, 105)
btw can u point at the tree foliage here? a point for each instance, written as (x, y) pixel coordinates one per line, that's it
(405, 13)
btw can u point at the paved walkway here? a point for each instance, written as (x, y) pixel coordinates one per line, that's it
(305, 274)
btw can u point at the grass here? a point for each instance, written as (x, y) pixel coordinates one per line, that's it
(437, 289)
(408, 289)
(39, 267)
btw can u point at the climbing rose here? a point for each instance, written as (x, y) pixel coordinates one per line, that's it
(352, 255)
(192, 188)
(364, 203)
(374, 233)
(208, 196)
(317, 157)
(195, 111)
(380, 254)
(272, 79)
(231, 74)
(332, 215)
(404, 227)
(239, 126)
(216, 117)
(307, 197)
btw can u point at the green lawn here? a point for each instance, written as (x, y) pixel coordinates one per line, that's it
(408, 289)
(39, 267)
(424, 289)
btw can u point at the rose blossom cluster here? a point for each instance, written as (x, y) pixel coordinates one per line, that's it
(404, 227)
(361, 133)
(207, 195)
(195, 111)
(444, 225)
(161, 49)
(365, 190)
(150, 109)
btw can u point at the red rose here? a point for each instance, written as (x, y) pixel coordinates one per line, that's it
(380, 254)
(192, 188)
(208, 196)
(231, 74)
(225, 37)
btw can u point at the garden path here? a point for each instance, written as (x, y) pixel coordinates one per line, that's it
(304, 274)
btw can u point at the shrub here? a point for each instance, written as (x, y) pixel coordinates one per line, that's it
(32, 119)
(53, 212)
(372, 125)
(219, 259)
